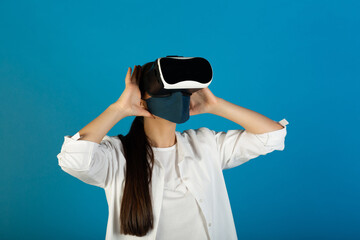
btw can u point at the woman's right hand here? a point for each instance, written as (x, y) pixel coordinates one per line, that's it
(130, 100)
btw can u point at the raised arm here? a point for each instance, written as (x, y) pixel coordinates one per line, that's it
(252, 121)
(100, 126)
(127, 105)
(91, 156)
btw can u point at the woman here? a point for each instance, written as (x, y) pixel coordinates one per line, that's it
(160, 183)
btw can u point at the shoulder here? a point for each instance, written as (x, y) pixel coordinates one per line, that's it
(197, 132)
(202, 134)
(112, 143)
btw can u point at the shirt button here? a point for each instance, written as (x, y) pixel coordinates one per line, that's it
(209, 224)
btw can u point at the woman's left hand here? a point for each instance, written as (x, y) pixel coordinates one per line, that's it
(202, 101)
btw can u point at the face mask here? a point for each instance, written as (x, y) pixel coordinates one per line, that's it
(174, 108)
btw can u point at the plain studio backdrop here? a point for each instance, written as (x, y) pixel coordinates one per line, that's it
(62, 63)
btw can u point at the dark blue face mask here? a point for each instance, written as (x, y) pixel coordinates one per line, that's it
(174, 108)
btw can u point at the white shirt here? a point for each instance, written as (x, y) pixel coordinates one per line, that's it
(180, 215)
(202, 153)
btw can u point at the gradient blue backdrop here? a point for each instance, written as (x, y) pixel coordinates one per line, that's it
(63, 63)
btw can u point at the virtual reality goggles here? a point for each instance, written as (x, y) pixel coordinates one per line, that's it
(169, 74)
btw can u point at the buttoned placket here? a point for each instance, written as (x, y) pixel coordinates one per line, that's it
(182, 157)
(201, 201)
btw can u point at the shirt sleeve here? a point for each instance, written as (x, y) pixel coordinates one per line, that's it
(93, 163)
(236, 147)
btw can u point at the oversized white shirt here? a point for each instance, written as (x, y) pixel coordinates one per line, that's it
(203, 154)
(180, 215)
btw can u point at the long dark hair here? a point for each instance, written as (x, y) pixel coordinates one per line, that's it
(136, 214)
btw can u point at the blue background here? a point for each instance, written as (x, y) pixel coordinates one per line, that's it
(63, 63)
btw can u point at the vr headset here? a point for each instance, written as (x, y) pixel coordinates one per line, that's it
(170, 74)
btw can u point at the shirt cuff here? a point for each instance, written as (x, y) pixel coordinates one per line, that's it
(283, 122)
(274, 138)
(72, 144)
(75, 154)
(76, 136)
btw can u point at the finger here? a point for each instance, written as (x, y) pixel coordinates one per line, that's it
(146, 113)
(128, 76)
(133, 77)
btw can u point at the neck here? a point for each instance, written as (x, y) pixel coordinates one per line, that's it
(161, 132)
